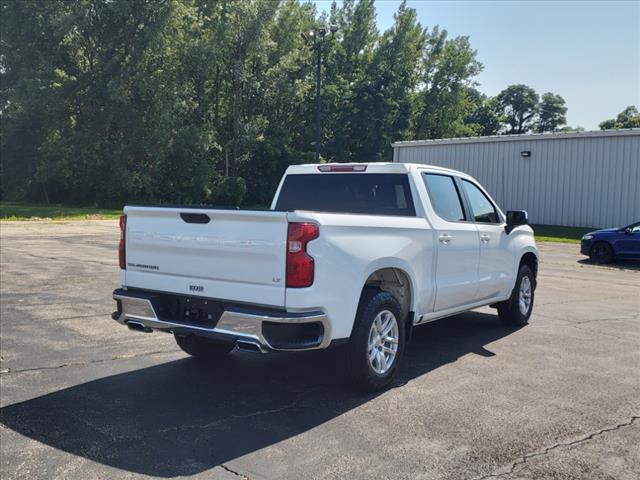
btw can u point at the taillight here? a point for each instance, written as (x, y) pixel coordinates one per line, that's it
(121, 246)
(300, 265)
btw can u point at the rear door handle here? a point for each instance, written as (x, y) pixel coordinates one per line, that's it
(485, 238)
(445, 238)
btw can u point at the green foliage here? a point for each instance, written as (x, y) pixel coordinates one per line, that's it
(230, 191)
(628, 118)
(568, 129)
(551, 113)
(184, 101)
(520, 110)
(517, 105)
(449, 66)
(483, 119)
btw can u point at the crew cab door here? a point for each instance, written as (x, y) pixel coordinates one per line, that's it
(496, 265)
(458, 244)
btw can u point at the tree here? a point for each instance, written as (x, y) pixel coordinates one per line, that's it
(449, 66)
(383, 102)
(551, 113)
(628, 118)
(568, 129)
(347, 84)
(185, 101)
(483, 119)
(517, 105)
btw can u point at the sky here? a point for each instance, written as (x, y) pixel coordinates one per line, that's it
(588, 52)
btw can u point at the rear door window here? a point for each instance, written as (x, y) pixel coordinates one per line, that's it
(364, 193)
(444, 196)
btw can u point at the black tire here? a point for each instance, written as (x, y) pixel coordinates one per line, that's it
(601, 252)
(510, 312)
(203, 348)
(355, 355)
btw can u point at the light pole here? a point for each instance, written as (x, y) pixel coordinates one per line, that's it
(316, 38)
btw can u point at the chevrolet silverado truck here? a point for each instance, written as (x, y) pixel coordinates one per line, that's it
(349, 256)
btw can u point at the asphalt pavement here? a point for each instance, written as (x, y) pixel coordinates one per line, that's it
(83, 397)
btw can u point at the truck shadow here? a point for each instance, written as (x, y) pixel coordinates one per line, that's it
(183, 417)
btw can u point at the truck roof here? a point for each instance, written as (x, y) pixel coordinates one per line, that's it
(372, 167)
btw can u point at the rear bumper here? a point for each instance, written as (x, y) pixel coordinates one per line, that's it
(266, 330)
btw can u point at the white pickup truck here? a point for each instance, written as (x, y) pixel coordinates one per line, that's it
(350, 255)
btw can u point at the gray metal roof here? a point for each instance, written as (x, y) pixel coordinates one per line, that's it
(519, 138)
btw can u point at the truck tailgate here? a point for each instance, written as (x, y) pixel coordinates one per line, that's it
(238, 255)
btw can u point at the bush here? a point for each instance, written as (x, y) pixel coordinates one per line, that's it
(230, 191)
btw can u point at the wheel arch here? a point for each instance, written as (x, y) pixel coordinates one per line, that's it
(395, 280)
(531, 260)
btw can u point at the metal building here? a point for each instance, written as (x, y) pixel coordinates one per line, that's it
(587, 179)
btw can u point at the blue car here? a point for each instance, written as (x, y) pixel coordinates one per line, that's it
(604, 246)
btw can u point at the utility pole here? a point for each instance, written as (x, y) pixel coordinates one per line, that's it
(316, 38)
(318, 70)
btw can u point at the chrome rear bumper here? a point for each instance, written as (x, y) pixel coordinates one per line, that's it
(243, 326)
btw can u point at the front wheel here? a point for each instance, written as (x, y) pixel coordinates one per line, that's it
(377, 343)
(203, 348)
(601, 252)
(517, 310)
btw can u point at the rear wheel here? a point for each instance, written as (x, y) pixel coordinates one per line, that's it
(601, 252)
(377, 344)
(517, 310)
(203, 348)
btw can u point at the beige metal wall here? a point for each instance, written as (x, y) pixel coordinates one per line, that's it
(590, 179)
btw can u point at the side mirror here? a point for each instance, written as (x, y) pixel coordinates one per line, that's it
(516, 218)
(628, 231)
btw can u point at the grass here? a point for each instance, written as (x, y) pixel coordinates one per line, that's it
(555, 233)
(25, 211)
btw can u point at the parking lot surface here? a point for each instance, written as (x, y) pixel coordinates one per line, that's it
(83, 397)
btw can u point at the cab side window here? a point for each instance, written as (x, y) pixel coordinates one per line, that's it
(482, 209)
(444, 196)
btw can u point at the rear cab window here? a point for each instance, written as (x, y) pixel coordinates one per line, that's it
(445, 197)
(360, 193)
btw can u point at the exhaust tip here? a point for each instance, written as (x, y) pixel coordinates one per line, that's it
(250, 347)
(138, 327)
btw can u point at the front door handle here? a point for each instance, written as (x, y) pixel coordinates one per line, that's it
(445, 238)
(485, 238)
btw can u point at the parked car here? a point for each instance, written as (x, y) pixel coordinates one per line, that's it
(350, 256)
(606, 245)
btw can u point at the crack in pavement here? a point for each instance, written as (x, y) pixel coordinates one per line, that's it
(592, 320)
(241, 475)
(539, 453)
(631, 317)
(578, 325)
(215, 423)
(82, 364)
